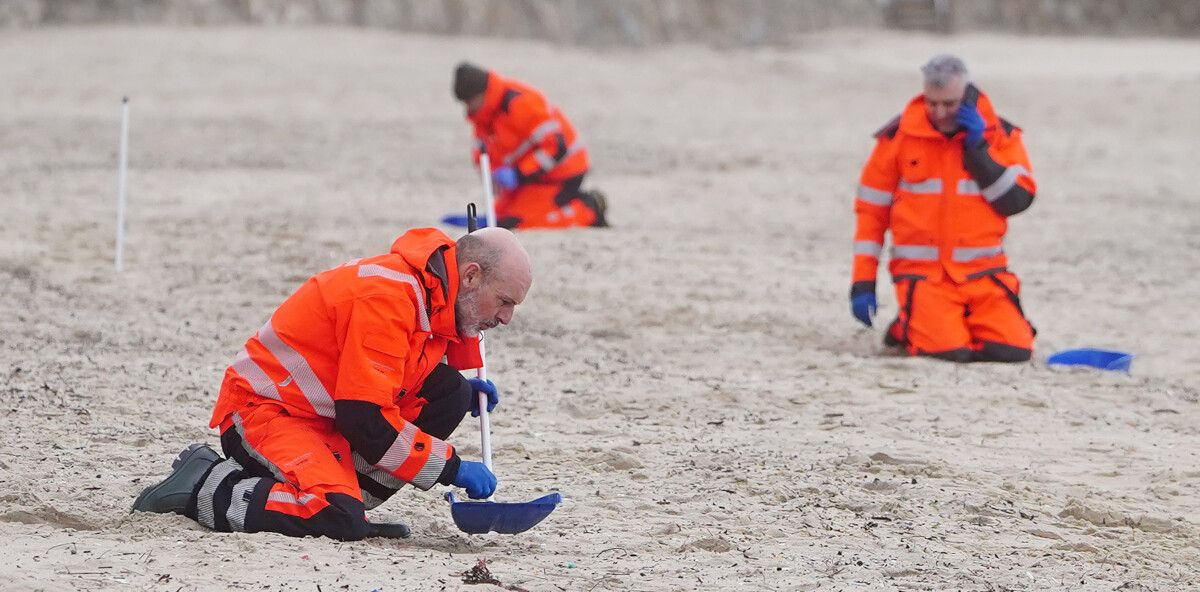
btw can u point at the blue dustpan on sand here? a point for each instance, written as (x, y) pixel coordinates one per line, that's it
(1103, 359)
(459, 220)
(501, 517)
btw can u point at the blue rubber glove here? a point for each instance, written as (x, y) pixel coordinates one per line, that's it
(505, 177)
(863, 306)
(971, 121)
(487, 386)
(476, 478)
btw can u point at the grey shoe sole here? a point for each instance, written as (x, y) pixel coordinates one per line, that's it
(172, 494)
(388, 530)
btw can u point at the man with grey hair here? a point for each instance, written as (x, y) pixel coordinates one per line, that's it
(944, 177)
(342, 397)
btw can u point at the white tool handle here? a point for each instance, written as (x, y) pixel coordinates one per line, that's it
(489, 200)
(485, 426)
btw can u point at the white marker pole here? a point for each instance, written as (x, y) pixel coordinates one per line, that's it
(122, 165)
(485, 169)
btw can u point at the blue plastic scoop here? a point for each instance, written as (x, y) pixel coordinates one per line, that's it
(501, 517)
(1096, 358)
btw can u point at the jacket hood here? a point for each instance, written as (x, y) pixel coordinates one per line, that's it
(433, 254)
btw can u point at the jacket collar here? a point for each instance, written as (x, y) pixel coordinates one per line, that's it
(432, 255)
(915, 121)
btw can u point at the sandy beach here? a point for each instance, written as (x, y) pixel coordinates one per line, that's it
(690, 379)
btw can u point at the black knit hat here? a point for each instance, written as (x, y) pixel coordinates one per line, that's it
(469, 81)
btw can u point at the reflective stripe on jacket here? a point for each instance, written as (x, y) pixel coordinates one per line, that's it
(354, 344)
(518, 127)
(942, 221)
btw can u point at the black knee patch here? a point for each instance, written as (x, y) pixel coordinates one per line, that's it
(1002, 352)
(448, 397)
(447, 387)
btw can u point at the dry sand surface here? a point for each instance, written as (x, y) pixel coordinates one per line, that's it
(691, 380)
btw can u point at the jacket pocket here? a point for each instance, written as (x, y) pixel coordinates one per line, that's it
(387, 353)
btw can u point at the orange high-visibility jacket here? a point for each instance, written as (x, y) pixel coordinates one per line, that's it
(518, 127)
(946, 206)
(353, 345)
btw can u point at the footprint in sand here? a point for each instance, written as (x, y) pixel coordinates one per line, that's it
(712, 545)
(47, 515)
(614, 460)
(1100, 516)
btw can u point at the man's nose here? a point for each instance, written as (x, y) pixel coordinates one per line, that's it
(505, 315)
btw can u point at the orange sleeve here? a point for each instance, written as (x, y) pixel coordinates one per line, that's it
(374, 349)
(533, 120)
(873, 208)
(464, 355)
(370, 375)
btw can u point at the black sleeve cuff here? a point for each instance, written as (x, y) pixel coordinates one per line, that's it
(1012, 202)
(450, 471)
(861, 288)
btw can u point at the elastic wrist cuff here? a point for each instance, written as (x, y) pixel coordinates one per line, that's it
(866, 287)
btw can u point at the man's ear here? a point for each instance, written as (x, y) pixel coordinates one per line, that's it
(470, 275)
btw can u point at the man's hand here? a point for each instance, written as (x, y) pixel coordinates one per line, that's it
(971, 121)
(476, 478)
(863, 306)
(479, 385)
(505, 177)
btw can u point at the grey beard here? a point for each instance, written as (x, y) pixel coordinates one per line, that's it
(467, 325)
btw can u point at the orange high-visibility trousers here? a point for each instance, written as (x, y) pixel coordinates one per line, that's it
(978, 320)
(298, 475)
(545, 204)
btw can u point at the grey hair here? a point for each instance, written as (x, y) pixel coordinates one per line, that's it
(472, 249)
(942, 68)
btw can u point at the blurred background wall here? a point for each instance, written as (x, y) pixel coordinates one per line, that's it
(634, 22)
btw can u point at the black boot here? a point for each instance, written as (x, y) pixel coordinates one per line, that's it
(172, 494)
(598, 203)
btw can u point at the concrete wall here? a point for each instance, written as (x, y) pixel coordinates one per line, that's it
(1104, 17)
(622, 22)
(602, 22)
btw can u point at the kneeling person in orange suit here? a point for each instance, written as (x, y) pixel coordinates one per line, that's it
(944, 177)
(342, 397)
(539, 161)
